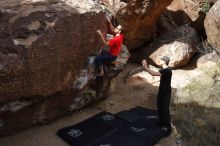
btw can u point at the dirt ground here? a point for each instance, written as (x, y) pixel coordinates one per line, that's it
(134, 92)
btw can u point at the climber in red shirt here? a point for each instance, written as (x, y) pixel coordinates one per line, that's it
(114, 46)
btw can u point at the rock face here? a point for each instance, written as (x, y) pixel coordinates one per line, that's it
(182, 12)
(179, 45)
(138, 17)
(43, 48)
(207, 60)
(212, 26)
(43, 45)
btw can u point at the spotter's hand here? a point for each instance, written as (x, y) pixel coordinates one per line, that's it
(144, 62)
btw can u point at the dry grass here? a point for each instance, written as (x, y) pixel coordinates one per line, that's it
(197, 109)
(205, 47)
(199, 125)
(203, 89)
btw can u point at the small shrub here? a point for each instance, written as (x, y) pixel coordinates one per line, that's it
(205, 47)
(205, 6)
(199, 125)
(197, 117)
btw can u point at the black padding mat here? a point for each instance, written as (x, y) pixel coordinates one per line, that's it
(123, 137)
(143, 112)
(135, 127)
(90, 130)
(147, 123)
(128, 116)
(153, 134)
(140, 117)
(149, 117)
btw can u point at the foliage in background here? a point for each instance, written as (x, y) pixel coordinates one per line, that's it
(205, 47)
(203, 90)
(197, 109)
(199, 125)
(205, 6)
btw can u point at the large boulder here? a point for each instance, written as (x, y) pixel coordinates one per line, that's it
(43, 45)
(212, 26)
(182, 12)
(43, 49)
(207, 60)
(178, 13)
(179, 45)
(138, 17)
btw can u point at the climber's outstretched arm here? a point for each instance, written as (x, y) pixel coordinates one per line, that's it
(112, 28)
(102, 37)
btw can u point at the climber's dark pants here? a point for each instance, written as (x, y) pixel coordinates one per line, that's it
(163, 103)
(101, 59)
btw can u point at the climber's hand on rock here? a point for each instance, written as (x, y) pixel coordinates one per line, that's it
(108, 19)
(99, 31)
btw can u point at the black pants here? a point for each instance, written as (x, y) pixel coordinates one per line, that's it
(101, 59)
(163, 103)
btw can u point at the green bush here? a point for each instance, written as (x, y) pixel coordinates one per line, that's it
(205, 6)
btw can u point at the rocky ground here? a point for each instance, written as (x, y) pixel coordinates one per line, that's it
(137, 91)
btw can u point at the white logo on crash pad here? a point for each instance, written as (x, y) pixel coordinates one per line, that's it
(105, 145)
(151, 117)
(108, 117)
(75, 133)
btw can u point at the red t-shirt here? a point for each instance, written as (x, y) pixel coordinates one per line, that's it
(115, 44)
